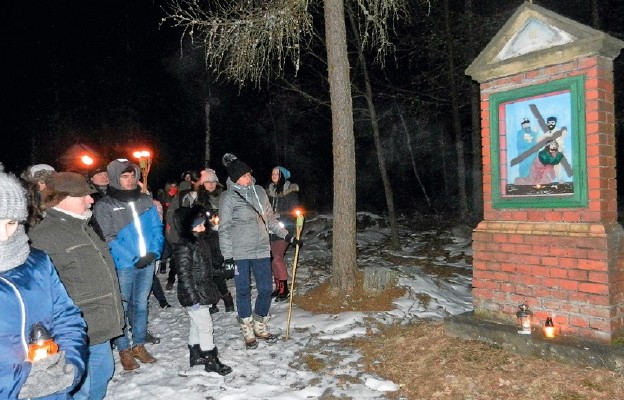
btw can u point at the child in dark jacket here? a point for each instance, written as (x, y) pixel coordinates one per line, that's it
(196, 289)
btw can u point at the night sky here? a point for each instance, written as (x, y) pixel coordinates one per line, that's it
(81, 69)
(107, 75)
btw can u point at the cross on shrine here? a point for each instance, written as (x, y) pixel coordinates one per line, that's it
(537, 146)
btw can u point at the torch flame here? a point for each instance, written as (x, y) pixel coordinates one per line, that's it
(141, 154)
(86, 160)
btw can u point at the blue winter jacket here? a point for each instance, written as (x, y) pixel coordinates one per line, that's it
(31, 293)
(130, 234)
(129, 220)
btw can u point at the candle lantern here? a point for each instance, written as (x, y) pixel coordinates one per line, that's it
(524, 319)
(213, 216)
(549, 328)
(41, 344)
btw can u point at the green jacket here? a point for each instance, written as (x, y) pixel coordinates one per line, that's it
(86, 269)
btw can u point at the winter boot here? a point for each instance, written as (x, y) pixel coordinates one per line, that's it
(247, 327)
(140, 353)
(276, 291)
(213, 309)
(196, 356)
(127, 360)
(228, 301)
(213, 364)
(261, 329)
(150, 338)
(283, 292)
(162, 267)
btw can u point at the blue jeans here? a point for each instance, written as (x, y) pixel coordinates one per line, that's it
(135, 285)
(261, 269)
(100, 369)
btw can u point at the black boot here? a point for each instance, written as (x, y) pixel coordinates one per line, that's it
(228, 301)
(149, 338)
(283, 291)
(196, 355)
(276, 291)
(213, 309)
(213, 364)
(162, 267)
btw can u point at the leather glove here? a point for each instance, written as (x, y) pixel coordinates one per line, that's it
(229, 268)
(47, 376)
(293, 240)
(145, 260)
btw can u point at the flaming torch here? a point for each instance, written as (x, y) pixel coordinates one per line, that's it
(145, 164)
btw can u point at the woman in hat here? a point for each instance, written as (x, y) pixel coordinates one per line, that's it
(284, 198)
(246, 217)
(35, 177)
(208, 196)
(34, 303)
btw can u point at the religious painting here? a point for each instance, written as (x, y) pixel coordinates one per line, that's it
(538, 146)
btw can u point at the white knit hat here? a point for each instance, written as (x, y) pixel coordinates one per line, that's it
(208, 175)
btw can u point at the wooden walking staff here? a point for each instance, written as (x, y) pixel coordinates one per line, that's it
(299, 227)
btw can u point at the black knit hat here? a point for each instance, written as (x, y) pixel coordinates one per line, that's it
(235, 167)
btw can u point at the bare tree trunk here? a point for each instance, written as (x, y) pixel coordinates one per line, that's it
(276, 150)
(207, 136)
(457, 128)
(475, 107)
(344, 255)
(381, 159)
(595, 12)
(445, 172)
(408, 141)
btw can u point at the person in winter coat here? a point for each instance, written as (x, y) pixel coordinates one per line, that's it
(32, 294)
(34, 177)
(132, 228)
(86, 269)
(183, 198)
(284, 198)
(196, 289)
(245, 220)
(208, 196)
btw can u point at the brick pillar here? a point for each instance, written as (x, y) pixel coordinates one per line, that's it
(564, 262)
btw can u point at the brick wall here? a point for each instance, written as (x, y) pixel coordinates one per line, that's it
(564, 262)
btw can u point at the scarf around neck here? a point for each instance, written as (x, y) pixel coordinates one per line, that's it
(124, 196)
(15, 250)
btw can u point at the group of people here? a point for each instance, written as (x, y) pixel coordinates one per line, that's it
(78, 257)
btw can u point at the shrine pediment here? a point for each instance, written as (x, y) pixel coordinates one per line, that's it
(535, 37)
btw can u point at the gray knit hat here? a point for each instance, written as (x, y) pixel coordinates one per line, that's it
(15, 250)
(12, 197)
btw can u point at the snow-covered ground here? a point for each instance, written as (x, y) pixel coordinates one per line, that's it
(277, 371)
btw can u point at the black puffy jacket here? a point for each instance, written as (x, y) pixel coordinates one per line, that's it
(195, 271)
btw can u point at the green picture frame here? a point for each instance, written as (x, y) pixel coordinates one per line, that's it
(538, 146)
